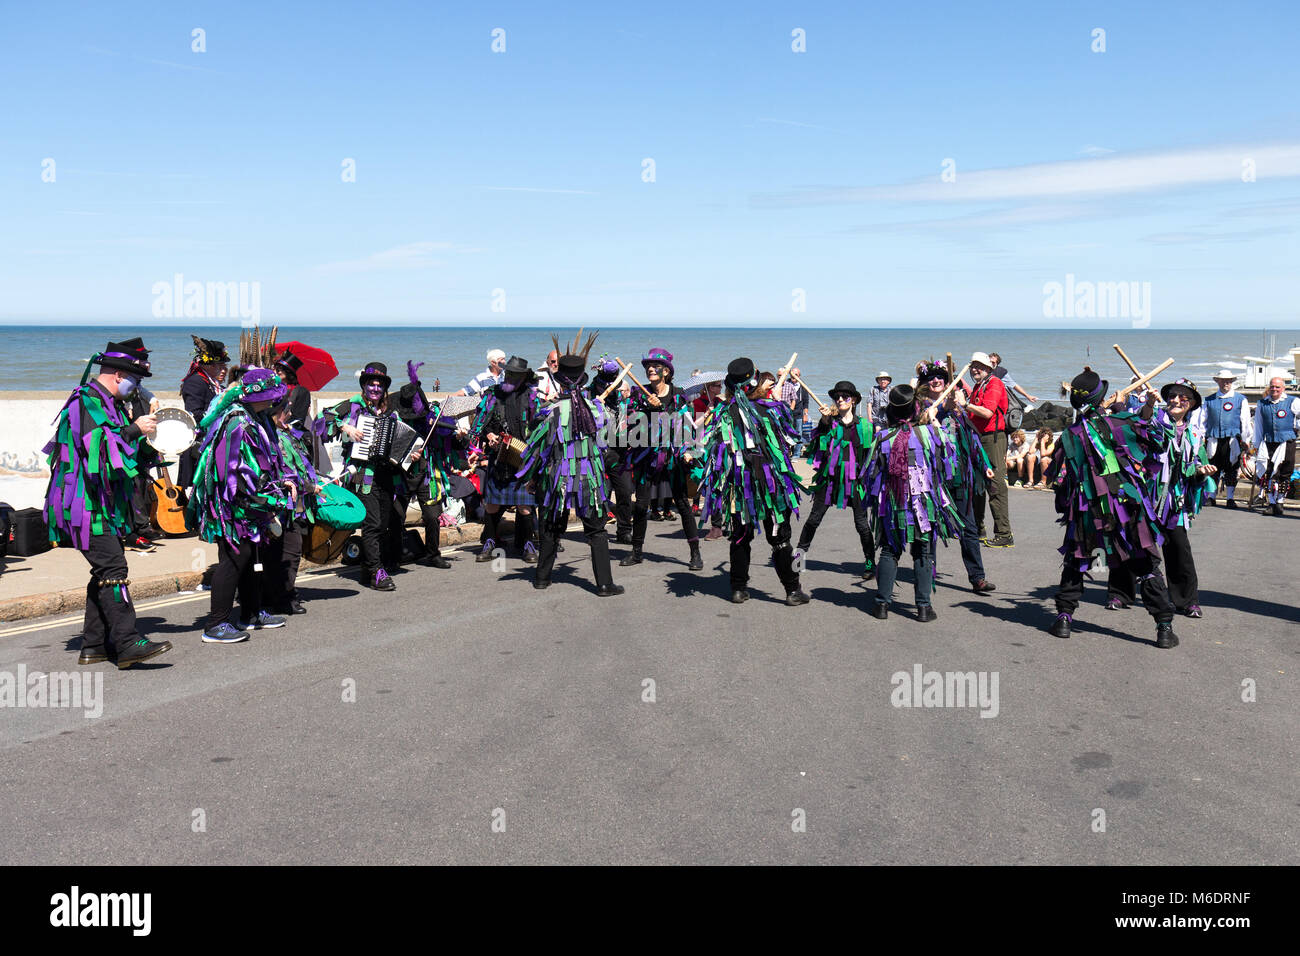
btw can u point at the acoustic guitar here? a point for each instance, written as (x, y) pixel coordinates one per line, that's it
(167, 513)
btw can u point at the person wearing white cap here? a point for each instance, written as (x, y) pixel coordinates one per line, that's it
(1229, 429)
(492, 375)
(878, 398)
(987, 409)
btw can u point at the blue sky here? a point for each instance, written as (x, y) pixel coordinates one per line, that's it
(774, 170)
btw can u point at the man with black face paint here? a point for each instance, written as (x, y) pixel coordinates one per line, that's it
(504, 420)
(376, 483)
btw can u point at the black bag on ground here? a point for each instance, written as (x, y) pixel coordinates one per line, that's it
(6, 524)
(29, 535)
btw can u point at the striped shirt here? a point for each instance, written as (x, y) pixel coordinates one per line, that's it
(481, 382)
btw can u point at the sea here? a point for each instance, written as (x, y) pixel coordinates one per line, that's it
(53, 357)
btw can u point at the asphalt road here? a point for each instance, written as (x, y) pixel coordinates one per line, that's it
(479, 701)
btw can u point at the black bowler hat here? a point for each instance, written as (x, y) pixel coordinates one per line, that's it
(740, 371)
(902, 404)
(845, 387)
(376, 371)
(1087, 388)
(129, 356)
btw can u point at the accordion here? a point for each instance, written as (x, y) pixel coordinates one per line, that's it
(386, 440)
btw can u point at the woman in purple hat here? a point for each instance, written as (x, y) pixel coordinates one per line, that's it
(241, 491)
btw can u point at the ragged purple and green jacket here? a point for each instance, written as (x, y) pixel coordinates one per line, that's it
(567, 468)
(906, 479)
(239, 481)
(94, 458)
(838, 453)
(1105, 470)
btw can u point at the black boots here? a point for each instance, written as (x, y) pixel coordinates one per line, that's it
(739, 596)
(879, 610)
(697, 560)
(1061, 626)
(925, 614)
(796, 597)
(633, 558)
(1165, 636)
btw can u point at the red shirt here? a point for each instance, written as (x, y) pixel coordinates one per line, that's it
(990, 394)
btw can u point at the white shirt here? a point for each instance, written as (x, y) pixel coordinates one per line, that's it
(1259, 422)
(548, 390)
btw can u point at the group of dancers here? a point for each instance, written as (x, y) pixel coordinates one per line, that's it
(1128, 480)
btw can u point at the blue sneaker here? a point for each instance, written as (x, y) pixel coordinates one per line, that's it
(224, 633)
(264, 620)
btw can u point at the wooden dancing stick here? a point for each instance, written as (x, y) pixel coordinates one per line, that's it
(627, 370)
(618, 381)
(951, 368)
(1123, 393)
(1127, 360)
(929, 414)
(811, 393)
(785, 370)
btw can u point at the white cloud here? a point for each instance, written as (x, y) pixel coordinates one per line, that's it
(413, 255)
(1220, 165)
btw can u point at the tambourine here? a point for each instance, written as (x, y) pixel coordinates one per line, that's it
(175, 433)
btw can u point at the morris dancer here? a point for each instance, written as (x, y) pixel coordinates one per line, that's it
(1102, 471)
(443, 453)
(664, 417)
(564, 462)
(972, 467)
(286, 550)
(616, 405)
(1184, 483)
(906, 480)
(201, 384)
(1275, 430)
(1229, 429)
(92, 460)
(749, 477)
(838, 447)
(241, 489)
(377, 483)
(510, 408)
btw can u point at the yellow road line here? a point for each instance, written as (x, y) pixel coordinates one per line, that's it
(152, 605)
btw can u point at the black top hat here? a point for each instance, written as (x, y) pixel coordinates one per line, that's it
(209, 351)
(290, 363)
(376, 370)
(739, 371)
(1087, 388)
(572, 368)
(845, 387)
(129, 356)
(902, 404)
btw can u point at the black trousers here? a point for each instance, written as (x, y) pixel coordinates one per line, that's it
(970, 539)
(1143, 567)
(291, 558)
(430, 512)
(1180, 569)
(236, 572)
(381, 531)
(861, 524)
(1223, 461)
(620, 490)
(778, 536)
(1282, 473)
(593, 526)
(141, 493)
(110, 615)
(645, 493)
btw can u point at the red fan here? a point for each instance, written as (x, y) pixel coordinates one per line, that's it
(318, 368)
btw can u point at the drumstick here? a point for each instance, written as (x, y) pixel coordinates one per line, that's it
(784, 372)
(929, 414)
(616, 382)
(1124, 392)
(1127, 360)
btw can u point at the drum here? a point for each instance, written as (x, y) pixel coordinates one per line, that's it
(338, 513)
